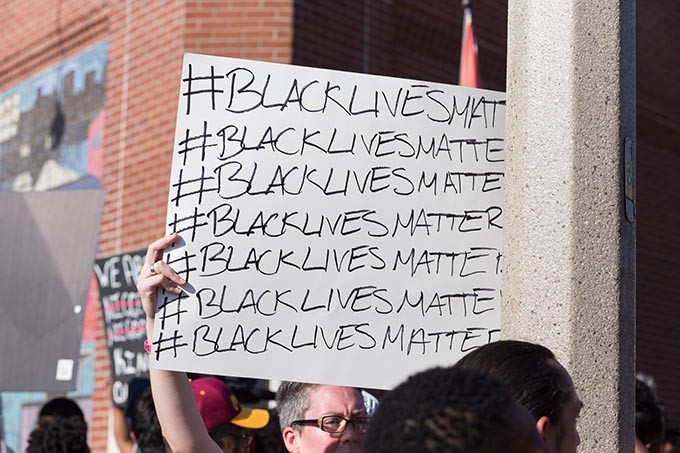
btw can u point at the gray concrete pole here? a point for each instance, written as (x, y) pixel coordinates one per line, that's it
(569, 259)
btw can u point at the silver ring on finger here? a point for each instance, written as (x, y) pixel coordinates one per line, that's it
(152, 270)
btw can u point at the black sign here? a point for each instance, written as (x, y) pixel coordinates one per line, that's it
(124, 319)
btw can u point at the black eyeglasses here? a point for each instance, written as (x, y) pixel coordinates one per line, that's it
(337, 424)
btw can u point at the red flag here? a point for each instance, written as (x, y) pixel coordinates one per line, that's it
(469, 55)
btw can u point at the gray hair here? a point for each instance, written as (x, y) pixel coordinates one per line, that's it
(292, 400)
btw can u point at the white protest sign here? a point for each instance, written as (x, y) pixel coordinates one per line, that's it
(337, 228)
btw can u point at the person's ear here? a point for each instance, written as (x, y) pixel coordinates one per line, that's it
(291, 438)
(545, 429)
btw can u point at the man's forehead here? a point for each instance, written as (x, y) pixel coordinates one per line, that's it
(329, 399)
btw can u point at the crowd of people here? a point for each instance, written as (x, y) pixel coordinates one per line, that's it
(507, 396)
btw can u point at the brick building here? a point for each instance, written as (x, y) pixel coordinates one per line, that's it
(145, 41)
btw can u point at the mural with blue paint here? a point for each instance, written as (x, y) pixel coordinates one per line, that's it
(51, 126)
(51, 138)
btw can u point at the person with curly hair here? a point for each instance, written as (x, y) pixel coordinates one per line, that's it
(452, 410)
(56, 434)
(61, 428)
(650, 422)
(145, 426)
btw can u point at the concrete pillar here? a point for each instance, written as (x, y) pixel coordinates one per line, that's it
(569, 259)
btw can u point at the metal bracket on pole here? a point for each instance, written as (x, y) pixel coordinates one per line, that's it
(629, 178)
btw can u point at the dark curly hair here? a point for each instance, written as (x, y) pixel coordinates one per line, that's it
(145, 425)
(59, 435)
(61, 407)
(448, 410)
(649, 417)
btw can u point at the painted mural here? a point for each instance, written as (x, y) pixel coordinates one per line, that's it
(51, 138)
(51, 126)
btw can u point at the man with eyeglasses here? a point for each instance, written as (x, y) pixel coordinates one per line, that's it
(321, 418)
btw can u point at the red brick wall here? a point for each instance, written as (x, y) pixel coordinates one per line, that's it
(37, 34)
(142, 94)
(252, 29)
(101, 398)
(144, 64)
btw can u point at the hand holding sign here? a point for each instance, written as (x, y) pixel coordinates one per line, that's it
(162, 275)
(173, 398)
